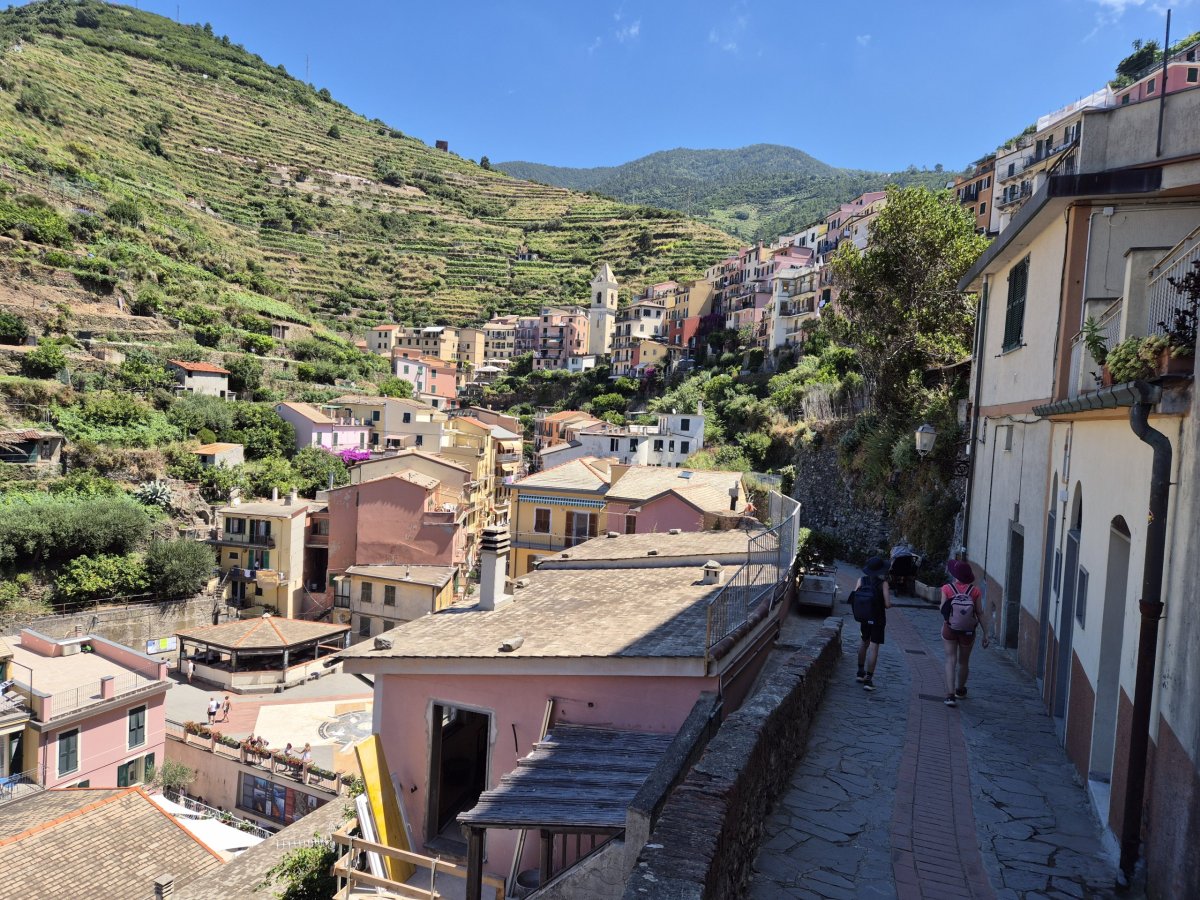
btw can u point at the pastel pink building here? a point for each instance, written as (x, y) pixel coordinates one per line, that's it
(434, 380)
(404, 517)
(1183, 72)
(316, 428)
(615, 635)
(561, 333)
(97, 715)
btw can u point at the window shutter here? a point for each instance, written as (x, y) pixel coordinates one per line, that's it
(1014, 315)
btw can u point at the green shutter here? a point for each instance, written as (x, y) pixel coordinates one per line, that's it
(1014, 313)
(123, 775)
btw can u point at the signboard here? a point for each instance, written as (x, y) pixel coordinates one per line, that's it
(162, 645)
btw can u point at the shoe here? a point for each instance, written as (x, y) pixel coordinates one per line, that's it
(861, 676)
(950, 701)
(961, 693)
(868, 683)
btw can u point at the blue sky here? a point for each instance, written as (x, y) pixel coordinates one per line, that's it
(875, 84)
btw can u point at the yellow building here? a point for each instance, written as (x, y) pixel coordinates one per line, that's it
(260, 550)
(381, 597)
(14, 714)
(556, 509)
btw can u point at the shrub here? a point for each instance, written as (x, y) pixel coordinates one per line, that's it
(34, 101)
(396, 387)
(124, 212)
(12, 329)
(258, 343)
(142, 371)
(44, 529)
(315, 466)
(260, 430)
(31, 219)
(116, 419)
(172, 775)
(245, 374)
(178, 569)
(102, 576)
(44, 362)
(334, 132)
(304, 873)
(153, 493)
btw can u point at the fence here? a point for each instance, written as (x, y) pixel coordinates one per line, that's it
(68, 701)
(1109, 325)
(207, 812)
(19, 784)
(763, 577)
(1162, 298)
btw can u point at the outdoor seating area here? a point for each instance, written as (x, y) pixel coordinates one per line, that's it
(263, 654)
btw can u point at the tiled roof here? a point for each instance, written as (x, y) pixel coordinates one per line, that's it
(357, 400)
(576, 475)
(278, 508)
(216, 448)
(385, 328)
(199, 367)
(95, 843)
(706, 490)
(635, 613)
(410, 452)
(719, 545)
(308, 411)
(266, 632)
(28, 434)
(436, 576)
(565, 414)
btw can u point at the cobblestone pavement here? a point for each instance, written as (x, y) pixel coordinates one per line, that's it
(900, 796)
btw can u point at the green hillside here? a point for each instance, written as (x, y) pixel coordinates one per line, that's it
(760, 191)
(142, 158)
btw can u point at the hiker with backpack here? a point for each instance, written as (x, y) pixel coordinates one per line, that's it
(868, 602)
(962, 610)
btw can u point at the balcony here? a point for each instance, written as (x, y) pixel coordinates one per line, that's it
(1162, 298)
(316, 540)
(1085, 371)
(536, 540)
(503, 458)
(45, 707)
(241, 539)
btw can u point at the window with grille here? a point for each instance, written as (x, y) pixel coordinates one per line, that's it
(364, 592)
(1014, 313)
(389, 595)
(541, 521)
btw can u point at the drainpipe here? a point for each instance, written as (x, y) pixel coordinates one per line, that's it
(1151, 606)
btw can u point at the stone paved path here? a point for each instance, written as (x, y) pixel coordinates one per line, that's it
(900, 796)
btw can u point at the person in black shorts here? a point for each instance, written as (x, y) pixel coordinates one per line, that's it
(874, 574)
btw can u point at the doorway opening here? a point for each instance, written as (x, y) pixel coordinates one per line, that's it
(1012, 587)
(1108, 680)
(1066, 617)
(1047, 587)
(458, 767)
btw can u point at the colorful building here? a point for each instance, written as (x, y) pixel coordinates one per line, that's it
(326, 428)
(261, 553)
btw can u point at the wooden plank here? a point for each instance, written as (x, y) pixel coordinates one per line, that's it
(363, 878)
(424, 862)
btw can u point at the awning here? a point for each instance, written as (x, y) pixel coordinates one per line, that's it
(577, 779)
(562, 501)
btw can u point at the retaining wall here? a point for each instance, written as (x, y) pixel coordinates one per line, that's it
(130, 624)
(705, 841)
(827, 499)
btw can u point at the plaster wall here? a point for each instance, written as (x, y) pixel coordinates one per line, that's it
(517, 705)
(103, 744)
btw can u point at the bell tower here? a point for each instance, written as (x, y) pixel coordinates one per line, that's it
(602, 311)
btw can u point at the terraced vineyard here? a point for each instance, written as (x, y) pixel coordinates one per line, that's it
(252, 193)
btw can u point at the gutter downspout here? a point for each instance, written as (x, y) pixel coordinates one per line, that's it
(980, 331)
(1151, 606)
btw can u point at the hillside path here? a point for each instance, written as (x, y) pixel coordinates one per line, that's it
(900, 796)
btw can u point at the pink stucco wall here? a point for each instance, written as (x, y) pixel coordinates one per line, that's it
(658, 515)
(652, 703)
(103, 744)
(385, 524)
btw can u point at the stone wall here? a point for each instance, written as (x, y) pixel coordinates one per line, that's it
(705, 841)
(827, 501)
(598, 876)
(129, 624)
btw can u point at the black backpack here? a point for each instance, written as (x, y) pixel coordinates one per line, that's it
(863, 600)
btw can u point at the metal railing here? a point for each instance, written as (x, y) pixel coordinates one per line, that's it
(207, 812)
(762, 578)
(66, 702)
(1162, 297)
(19, 784)
(1081, 380)
(246, 538)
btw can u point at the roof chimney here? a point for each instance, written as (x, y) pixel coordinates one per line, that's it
(493, 567)
(274, 495)
(164, 886)
(291, 498)
(712, 572)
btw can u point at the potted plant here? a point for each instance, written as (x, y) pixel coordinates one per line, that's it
(1125, 362)
(1176, 353)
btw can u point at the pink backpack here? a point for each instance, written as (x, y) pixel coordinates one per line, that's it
(959, 609)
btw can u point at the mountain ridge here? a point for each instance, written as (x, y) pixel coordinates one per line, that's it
(160, 158)
(758, 191)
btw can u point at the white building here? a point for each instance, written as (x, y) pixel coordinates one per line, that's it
(202, 378)
(668, 443)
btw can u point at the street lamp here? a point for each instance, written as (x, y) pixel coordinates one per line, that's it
(925, 436)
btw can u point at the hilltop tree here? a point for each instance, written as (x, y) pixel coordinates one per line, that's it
(900, 298)
(396, 387)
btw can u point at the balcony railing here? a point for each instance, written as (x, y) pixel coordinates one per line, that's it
(243, 539)
(18, 785)
(1084, 369)
(536, 540)
(64, 703)
(1162, 297)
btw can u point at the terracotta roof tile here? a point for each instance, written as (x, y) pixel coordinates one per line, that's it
(266, 632)
(199, 367)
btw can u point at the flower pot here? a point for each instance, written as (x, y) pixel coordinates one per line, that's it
(1173, 365)
(1106, 379)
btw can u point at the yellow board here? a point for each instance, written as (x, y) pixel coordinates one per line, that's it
(385, 805)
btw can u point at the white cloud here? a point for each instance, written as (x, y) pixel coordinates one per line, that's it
(595, 45)
(728, 36)
(862, 40)
(629, 32)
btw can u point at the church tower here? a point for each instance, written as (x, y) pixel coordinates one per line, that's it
(602, 311)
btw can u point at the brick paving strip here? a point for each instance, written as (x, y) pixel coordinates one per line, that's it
(935, 844)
